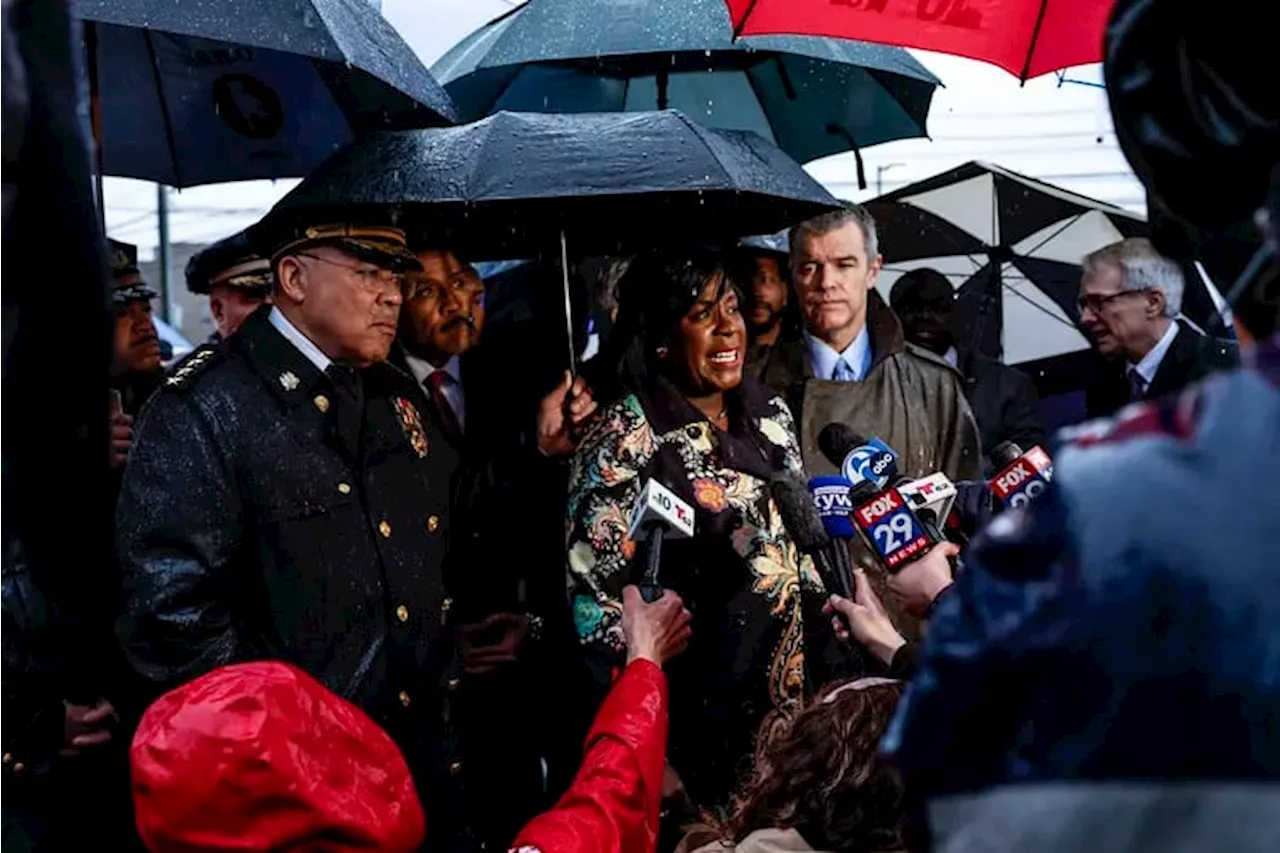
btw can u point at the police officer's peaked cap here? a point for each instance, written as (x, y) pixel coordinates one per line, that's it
(126, 281)
(237, 261)
(369, 240)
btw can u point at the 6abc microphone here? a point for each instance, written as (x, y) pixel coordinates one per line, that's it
(658, 515)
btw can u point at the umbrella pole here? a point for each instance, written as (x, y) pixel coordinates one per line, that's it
(568, 304)
(95, 116)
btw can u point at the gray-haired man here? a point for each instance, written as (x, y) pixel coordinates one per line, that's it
(1130, 297)
(853, 365)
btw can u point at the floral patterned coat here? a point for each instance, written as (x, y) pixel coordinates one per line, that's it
(740, 574)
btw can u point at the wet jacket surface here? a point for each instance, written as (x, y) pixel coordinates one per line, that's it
(268, 513)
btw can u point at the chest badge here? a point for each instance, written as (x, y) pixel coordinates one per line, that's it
(411, 423)
(288, 380)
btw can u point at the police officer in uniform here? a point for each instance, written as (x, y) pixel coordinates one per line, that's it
(136, 365)
(284, 501)
(235, 276)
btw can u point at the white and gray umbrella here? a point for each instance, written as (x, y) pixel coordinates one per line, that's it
(1011, 246)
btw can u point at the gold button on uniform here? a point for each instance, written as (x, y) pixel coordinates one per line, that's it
(455, 768)
(8, 758)
(19, 767)
(322, 402)
(446, 605)
(453, 684)
(433, 523)
(384, 528)
(344, 488)
(404, 699)
(402, 613)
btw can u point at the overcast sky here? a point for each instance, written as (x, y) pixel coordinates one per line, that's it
(1056, 131)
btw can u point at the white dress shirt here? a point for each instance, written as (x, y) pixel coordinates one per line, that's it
(952, 357)
(824, 359)
(452, 387)
(299, 340)
(1150, 364)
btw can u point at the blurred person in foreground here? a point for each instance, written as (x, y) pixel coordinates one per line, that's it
(299, 768)
(1103, 674)
(682, 413)
(236, 277)
(818, 782)
(57, 486)
(1130, 300)
(1003, 398)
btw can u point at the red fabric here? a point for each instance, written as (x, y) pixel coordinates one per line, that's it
(260, 756)
(997, 31)
(613, 804)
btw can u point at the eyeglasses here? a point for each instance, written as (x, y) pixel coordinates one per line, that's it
(1095, 301)
(374, 279)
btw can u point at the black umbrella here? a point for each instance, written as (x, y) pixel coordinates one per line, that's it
(811, 96)
(509, 185)
(515, 185)
(189, 93)
(1012, 246)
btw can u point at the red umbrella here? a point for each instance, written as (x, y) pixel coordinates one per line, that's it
(1024, 37)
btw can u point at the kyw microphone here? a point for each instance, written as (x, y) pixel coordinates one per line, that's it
(801, 519)
(1021, 476)
(658, 514)
(835, 507)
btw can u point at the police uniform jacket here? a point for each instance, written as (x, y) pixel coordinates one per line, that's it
(266, 514)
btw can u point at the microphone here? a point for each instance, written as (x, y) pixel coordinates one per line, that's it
(801, 519)
(831, 499)
(658, 514)
(871, 466)
(859, 459)
(1021, 476)
(892, 529)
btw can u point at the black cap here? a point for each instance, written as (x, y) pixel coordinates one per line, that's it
(236, 261)
(126, 281)
(384, 245)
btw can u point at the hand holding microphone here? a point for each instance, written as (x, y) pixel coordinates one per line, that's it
(656, 631)
(659, 514)
(865, 620)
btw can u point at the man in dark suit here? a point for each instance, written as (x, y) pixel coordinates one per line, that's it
(1003, 398)
(1129, 301)
(506, 554)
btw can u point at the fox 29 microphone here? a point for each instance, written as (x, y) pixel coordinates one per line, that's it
(1021, 476)
(658, 514)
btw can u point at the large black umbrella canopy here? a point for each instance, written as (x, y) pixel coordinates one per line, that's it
(1011, 246)
(508, 186)
(811, 96)
(189, 93)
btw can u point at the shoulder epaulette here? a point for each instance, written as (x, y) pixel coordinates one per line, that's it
(197, 361)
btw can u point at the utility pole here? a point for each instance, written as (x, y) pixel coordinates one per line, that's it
(880, 170)
(162, 254)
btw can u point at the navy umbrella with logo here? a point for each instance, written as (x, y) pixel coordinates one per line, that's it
(189, 93)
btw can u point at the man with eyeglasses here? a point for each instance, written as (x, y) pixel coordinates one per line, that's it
(477, 389)
(288, 499)
(1130, 298)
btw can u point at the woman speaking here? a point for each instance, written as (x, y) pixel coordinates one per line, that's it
(681, 413)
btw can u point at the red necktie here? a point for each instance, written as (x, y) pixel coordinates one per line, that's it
(448, 418)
